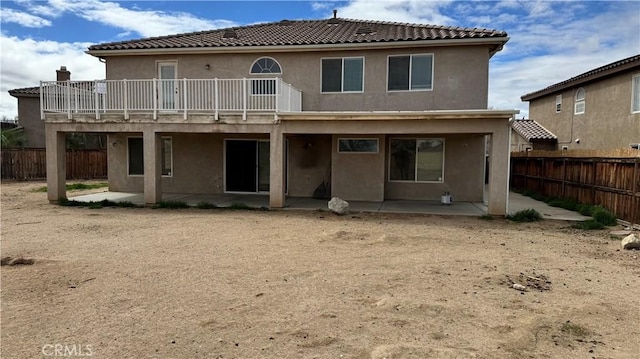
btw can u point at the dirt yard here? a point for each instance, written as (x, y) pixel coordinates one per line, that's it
(141, 282)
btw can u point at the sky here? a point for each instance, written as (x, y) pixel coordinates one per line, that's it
(550, 41)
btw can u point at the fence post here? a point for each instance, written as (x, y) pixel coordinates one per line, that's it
(635, 217)
(125, 104)
(244, 99)
(184, 104)
(215, 96)
(564, 175)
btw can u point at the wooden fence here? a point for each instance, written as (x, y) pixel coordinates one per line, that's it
(611, 182)
(30, 163)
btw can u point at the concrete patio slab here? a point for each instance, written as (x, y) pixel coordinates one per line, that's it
(517, 202)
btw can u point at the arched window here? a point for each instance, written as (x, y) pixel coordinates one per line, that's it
(266, 65)
(579, 103)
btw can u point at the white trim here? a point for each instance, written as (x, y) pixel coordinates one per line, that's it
(142, 138)
(359, 138)
(171, 155)
(433, 75)
(265, 73)
(342, 74)
(416, 163)
(499, 42)
(581, 101)
(635, 91)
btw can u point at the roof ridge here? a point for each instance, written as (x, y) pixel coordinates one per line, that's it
(611, 65)
(428, 26)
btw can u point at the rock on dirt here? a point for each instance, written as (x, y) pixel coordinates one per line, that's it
(339, 206)
(631, 241)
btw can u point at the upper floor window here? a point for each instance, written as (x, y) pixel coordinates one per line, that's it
(343, 74)
(635, 94)
(579, 104)
(266, 65)
(410, 73)
(558, 103)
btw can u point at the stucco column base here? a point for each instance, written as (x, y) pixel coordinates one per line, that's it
(499, 171)
(152, 144)
(277, 173)
(56, 165)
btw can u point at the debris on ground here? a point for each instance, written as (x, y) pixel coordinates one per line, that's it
(9, 261)
(533, 281)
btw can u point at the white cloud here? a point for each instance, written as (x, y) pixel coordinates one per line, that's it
(411, 11)
(25, 62)
(22, 18)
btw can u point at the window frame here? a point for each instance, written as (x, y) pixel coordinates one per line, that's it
(416, 139)
(558, 103)
(163, 139)
(341, 74)
(635, 93)
(359, 139)
(580, 101)
(265, 73)
(409, 89)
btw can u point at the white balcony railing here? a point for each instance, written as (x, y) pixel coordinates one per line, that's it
(263, 95)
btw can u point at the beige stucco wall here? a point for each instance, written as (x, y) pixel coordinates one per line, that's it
(607, 122)
(456, 70)
(309, 163)
(358, 176)
(29, 110)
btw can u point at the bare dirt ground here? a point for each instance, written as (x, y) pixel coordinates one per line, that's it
(143, 283)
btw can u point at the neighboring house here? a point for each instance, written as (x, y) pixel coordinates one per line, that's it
(599, 109)
(529, 135)
(363, 110)
(29, 116)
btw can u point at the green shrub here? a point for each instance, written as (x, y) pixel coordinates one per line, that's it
(172, 204)
(526, 215)
(602, 215)
(206, 205)
(239, 206)
(566, 203)
(76, 186)
(585, 209)
(588, 225)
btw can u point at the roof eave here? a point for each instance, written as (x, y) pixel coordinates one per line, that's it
(498, 41)
(580, 81)
(399, 115)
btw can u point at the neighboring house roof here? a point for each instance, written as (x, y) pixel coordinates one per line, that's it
(532, 131)
(25, 92)
(600, 72)
(334, 31)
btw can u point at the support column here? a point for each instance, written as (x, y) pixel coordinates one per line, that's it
(499, 171)
(277, 165)
(56, 165)
(152, 144)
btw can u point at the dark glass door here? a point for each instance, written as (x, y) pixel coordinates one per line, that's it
(241, 166)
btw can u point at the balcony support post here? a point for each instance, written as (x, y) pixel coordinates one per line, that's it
(42, 104)
(155, 99)
(215, 99)
(68, 99)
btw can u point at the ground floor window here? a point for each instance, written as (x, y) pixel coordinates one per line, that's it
(135, 149)
(416, 159)
(358, 145)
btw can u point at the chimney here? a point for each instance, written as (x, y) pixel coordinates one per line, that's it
(335, 13)
(63, 74)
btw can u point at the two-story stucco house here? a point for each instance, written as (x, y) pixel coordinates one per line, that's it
(596, 110)
(363, 110)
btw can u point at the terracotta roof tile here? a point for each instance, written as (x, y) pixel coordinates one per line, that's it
(26, 91)
(305, 32)
(606, 70)
(531, 130)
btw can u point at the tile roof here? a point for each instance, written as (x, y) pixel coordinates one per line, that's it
(531, 130)
(25, 91)
(306, 32)
(603, 71)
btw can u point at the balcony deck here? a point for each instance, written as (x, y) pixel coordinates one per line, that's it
(184, 97)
